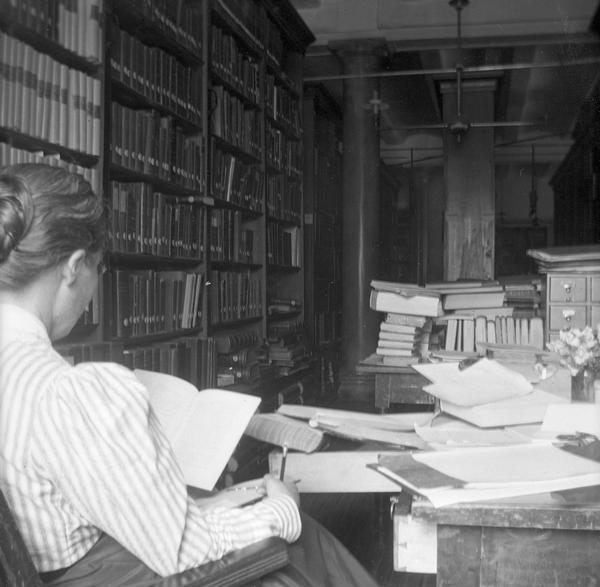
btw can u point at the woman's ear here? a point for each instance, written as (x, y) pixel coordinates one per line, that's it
(73, 266)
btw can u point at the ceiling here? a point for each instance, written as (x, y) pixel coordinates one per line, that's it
(544, 54)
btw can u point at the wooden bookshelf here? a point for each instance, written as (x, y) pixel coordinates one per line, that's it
(51, 60)
(255, 181)
(187, 118)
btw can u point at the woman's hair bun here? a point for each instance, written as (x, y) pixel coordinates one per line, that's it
(15, 213)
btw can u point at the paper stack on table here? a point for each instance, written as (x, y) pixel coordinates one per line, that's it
(487, 393)
(478, 474)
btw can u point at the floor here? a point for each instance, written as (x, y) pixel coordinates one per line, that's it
(362, 521)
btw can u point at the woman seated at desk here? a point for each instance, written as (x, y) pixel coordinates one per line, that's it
(88, 474)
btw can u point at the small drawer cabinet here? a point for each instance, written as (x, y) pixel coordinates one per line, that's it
(572, 300)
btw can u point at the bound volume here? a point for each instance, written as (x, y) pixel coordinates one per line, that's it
(400, 298)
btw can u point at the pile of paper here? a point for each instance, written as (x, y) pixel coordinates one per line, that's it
(478, 474)
(487, 393)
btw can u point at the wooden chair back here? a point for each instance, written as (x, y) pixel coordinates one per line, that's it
(16, 567)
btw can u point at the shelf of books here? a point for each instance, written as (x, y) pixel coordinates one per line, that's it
(155, 187)
(186, 117)
(51, 79)
(255, 189)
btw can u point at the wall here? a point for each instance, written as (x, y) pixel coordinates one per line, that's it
(513, 185)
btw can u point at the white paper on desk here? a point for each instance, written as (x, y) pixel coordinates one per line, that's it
(203, 427)
(355, 431)
(398, 422)
(501, 472)
(523, 464)
(524, 409)
(456, 434)
(572, 418)
(484, 382)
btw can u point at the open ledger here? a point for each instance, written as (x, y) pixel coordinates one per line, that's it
(203, 427)
(478, 474)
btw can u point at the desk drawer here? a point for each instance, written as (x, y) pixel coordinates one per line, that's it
(595, 297)
(567, 289)
(561, 317)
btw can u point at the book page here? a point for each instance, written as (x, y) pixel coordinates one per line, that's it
(203, 427)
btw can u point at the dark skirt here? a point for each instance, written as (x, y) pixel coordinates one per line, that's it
(317, 559)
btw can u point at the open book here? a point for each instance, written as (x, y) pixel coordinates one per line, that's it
(203, 427)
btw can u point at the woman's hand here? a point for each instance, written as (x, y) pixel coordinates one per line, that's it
(274, 486)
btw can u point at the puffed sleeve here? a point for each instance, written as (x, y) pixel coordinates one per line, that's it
(99, 441)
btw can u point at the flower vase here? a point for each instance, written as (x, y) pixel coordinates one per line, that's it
(584, 386)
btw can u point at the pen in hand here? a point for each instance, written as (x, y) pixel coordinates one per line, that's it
(284, 451)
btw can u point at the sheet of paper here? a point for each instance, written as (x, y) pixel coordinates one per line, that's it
(525, 409)
(399, 422)
(501, 472)
(203, 427)
(484, 382)
(333, 471)
(456, 434)
(572, 418)
(524, 464)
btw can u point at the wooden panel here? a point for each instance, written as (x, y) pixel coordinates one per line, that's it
(543, 511)
(470, 247)
(415, 545)
(490, 557)
(459, 556)
(595, 290)
(567, 289)
(557, 319)
(538, 558)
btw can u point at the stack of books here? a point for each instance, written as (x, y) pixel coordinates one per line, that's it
(525, 294)
(482, 298)
(288, 353)
(409, 309)
(471, 310)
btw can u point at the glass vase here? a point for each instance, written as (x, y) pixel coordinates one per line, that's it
(584, 386)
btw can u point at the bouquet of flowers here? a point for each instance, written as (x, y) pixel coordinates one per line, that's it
(579, 350)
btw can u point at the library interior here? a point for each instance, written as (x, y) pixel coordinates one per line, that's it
(351, 243)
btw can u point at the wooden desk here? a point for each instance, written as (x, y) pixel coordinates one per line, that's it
(395, 385)
(532, 541)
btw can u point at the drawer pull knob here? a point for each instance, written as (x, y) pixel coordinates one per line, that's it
(568, 314)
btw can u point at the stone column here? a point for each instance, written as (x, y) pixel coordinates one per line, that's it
(469, 179)
(360, 166)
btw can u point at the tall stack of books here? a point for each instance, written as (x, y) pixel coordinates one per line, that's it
(409, 309)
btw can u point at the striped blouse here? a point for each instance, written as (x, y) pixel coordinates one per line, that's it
(81, 453)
